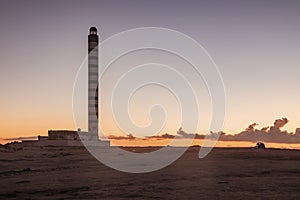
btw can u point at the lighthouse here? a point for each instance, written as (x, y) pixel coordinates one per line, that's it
(93, 71)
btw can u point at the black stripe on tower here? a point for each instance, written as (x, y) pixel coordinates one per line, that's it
(96, 104)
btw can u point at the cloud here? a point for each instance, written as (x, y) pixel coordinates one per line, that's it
(21, 138)
(266, 134)
(280, 123)
(297, 132)
(183, 134)
(272, 134)
(164, 136)
(251, 134)
(251, 127)
(127, 137)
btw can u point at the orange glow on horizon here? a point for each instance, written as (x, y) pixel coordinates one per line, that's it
(228, 144)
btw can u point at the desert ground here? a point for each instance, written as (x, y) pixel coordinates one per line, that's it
(226, 173)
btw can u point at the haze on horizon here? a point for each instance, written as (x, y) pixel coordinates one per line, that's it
(255, 44)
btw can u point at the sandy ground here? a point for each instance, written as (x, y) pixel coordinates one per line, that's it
(72, 173)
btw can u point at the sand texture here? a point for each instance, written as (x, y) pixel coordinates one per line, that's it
(72, 173)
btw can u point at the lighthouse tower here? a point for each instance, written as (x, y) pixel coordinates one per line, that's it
(93, 83)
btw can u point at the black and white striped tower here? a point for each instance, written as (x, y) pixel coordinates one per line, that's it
(93, 83)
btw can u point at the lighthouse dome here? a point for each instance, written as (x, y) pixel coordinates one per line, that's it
(93, 30)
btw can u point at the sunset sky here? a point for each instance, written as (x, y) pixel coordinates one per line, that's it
(256, 45)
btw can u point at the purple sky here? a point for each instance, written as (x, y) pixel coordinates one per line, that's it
(255, 44)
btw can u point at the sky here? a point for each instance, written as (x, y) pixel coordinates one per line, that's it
(255, 45)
